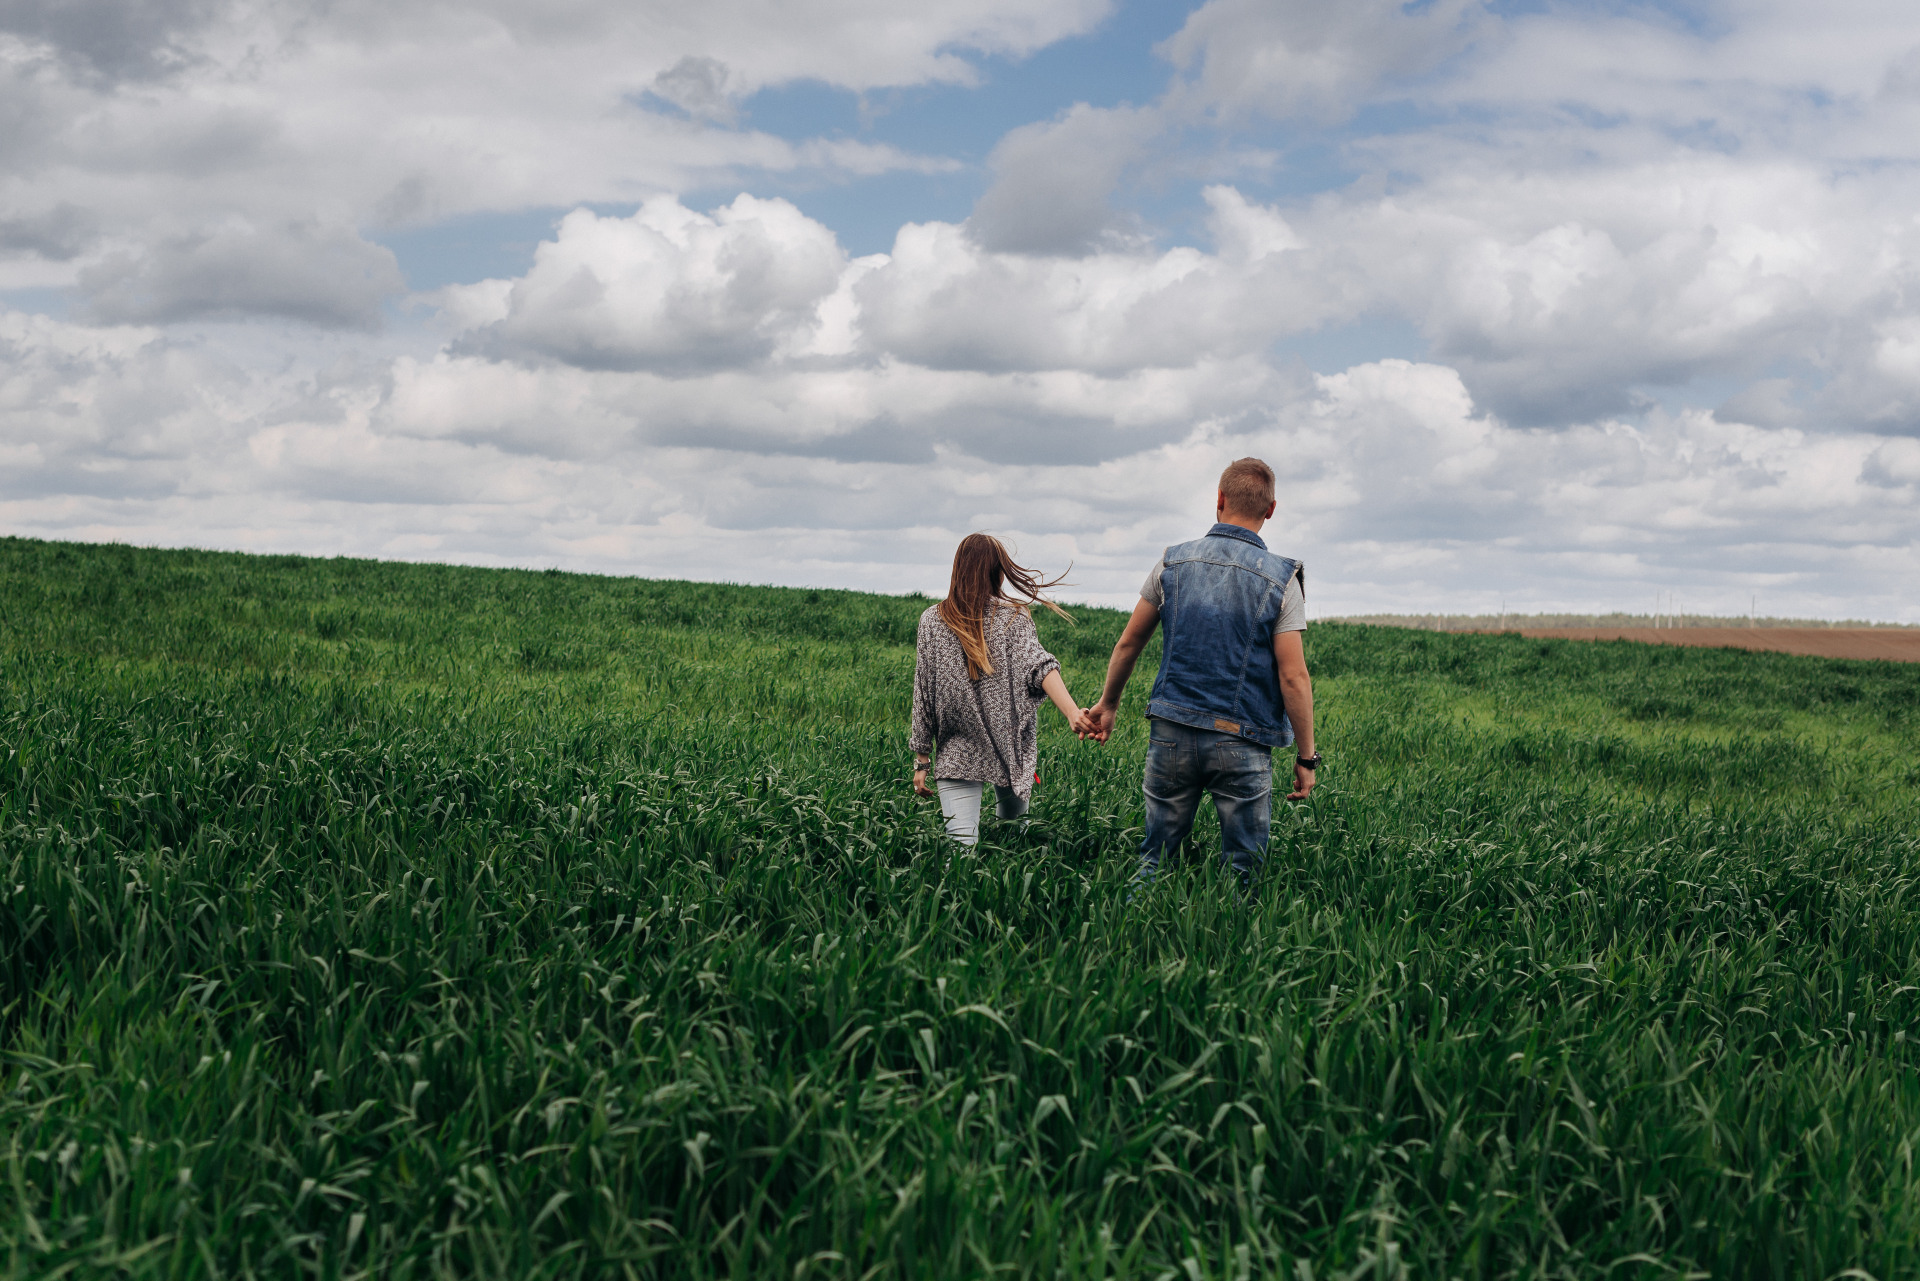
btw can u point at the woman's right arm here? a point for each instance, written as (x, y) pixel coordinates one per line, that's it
(1035, 658)
(1055, 688)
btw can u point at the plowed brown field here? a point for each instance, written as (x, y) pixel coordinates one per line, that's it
(1899, 644)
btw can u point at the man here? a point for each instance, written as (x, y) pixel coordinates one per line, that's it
(1233, 681)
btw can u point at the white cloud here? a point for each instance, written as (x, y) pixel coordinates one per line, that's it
(1894, 464)
(1298, 57)
(159, 127)
(1760, 75)
(1052, 180)
(674, 290)
(1570, 208)
(1558, 292)
(945, 301)
(671, 289)
(1397, 488)
(108, 412)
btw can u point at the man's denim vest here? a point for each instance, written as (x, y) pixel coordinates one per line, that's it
(1220, 597)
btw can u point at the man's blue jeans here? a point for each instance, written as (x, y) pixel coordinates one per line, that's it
(1183, 762)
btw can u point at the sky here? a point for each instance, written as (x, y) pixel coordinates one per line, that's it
(1531, 306)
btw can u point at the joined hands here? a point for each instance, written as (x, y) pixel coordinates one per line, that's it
(1094, 722)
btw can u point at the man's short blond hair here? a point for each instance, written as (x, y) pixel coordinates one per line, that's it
(1247, 485)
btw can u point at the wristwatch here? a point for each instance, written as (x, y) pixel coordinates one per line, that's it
(1308, 762)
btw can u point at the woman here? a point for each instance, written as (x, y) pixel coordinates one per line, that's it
(978, 678)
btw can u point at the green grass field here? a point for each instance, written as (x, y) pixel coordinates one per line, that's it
(418, 921)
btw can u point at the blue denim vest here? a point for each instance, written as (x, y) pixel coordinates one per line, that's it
(1220, 599)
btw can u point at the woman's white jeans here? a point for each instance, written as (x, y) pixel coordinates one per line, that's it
(960, 803)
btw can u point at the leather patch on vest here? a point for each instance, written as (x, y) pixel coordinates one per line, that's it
(1227, 727)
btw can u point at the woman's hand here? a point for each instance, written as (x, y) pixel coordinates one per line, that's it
(1096, 723)
(1056, 689)
(920, 787)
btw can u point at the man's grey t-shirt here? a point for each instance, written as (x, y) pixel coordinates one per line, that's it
(1293, 602)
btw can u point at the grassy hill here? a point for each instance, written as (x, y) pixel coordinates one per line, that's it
(419, 921)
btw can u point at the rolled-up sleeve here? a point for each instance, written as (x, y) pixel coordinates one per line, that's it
(920, 735)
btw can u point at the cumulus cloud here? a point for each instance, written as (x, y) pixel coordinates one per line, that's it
(107, 414)
(670, 289)
(674, 290)
(1594, 202)
(1558, 294)
(944, 300)
(1587, 218)
(489, 102)
(162, 122)
(304, 270)
(1398, 488)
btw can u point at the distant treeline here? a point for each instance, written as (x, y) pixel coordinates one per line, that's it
(1480, 622)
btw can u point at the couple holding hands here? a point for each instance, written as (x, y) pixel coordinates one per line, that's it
(1233, 682)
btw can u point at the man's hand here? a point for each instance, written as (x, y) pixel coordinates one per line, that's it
(1096, 723)
(1302, 783)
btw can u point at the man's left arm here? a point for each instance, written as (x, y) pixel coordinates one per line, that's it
(1296, 687)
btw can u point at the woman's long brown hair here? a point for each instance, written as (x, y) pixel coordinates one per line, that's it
(985, 576)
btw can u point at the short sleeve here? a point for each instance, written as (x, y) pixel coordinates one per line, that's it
(1293, 604)
(1150, 590)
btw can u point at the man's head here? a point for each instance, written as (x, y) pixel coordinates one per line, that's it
(1246, 493)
